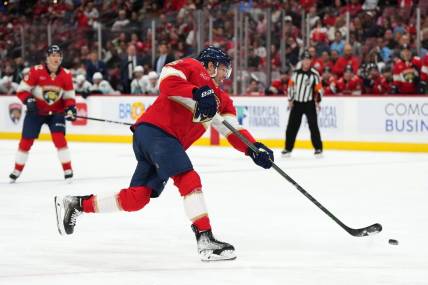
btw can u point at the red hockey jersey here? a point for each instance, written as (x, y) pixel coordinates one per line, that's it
(173, 109)
(424, 68)
(351, 87)
(53, 91)
(405, 75)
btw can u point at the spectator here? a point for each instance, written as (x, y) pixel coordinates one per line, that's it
(151, 83)
(101, 86)
(328, 81)
(82, 86)
(93, 64)
(164, 57)
(121, 22)
(345, 60)
(280, 86)
(7, 86)
(350, 83)
(254, 89)
(137, 84)
(406, 73)
(374, 82)
(127, 66)
(338, 44)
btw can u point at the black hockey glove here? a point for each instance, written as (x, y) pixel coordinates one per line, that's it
(70, 113)
(31, 105)
(206, 104)
(264, 157)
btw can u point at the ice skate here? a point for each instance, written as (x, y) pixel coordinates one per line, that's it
(68, 176)
(286, 153)
(210, 249)
(14, 175)
(67, 208)
(318, 153)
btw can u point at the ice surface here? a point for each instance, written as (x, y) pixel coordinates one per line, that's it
(279, 235)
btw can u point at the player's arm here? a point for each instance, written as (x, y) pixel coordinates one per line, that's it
(173, 82)
(26, 85)
(262, 158)
(69, 97)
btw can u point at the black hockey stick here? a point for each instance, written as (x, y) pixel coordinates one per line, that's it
(105, 121)
(373, 229)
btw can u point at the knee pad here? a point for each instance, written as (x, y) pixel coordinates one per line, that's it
(134, 198)
(187, 182)
(25, 144)
(59, 140)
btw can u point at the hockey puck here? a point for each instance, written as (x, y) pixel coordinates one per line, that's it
(393, 241)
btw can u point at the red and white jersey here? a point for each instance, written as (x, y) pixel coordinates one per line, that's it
(379, 86)
(424, 68)
(329, 85)
(405, 75)
(352, 86)
(53, 91)
(174, 108)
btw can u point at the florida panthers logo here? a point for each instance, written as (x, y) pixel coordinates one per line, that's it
(51, 96)
(15, 112)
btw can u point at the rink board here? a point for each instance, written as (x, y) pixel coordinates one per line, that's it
(354, 123)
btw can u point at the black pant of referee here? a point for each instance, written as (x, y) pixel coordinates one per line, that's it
(296, 113)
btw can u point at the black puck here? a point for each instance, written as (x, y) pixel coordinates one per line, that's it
(393, 241)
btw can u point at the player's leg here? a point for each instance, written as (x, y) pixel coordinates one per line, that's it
(56, 124)
(30, 131)
(311, 114)
(210, 249)
(130, 199)
(293, 126)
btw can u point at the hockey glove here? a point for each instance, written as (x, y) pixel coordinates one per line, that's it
(31, 105)
(264, 157)
(206, 104)
(70, 113)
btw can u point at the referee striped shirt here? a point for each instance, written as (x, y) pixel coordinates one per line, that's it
(305, 86)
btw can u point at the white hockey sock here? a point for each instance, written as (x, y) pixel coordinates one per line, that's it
(106, 204)
(21, 157)
(64, 155)
(194, 205)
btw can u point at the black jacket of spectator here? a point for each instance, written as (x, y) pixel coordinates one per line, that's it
(126, 74)
(92, 67)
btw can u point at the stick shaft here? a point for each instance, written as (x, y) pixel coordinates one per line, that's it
(288, 178)
(105, 121)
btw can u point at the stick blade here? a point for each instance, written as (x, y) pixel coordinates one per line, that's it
(367, 231)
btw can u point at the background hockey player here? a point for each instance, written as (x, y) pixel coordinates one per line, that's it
(48, 93)
(406, 73)
(188, 102)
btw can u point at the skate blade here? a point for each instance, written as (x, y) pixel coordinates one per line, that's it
(12, 181)
(68, 180)
(209, 256)
(59, 218)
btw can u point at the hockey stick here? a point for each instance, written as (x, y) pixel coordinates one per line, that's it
(373, 229)
(105, 121)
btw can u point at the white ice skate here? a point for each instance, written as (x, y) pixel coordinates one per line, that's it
(210, 249)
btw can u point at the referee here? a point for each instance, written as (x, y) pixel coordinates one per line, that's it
(304, 95)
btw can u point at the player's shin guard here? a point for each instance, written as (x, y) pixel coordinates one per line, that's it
(21, 158)
(60, 143)
(130, 199)
(189, 185)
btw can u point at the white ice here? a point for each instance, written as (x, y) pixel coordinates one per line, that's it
(279, 235)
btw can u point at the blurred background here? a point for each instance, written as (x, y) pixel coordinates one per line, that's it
(356, 45)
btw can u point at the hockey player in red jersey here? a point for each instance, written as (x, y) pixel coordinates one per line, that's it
(48, 93)
(190, 101)
(374, 82)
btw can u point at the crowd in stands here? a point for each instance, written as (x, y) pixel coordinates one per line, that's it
(381, 56)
